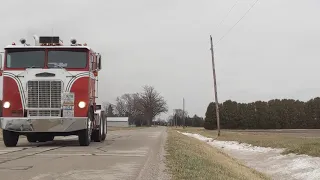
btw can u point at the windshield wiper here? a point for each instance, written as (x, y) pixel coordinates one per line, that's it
(55, 65)
(32, 67)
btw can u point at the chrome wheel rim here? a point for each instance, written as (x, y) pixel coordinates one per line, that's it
(89, 129)
(101, 127)
(105, 127)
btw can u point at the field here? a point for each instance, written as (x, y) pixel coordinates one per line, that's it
(302, 141)
(189, 158)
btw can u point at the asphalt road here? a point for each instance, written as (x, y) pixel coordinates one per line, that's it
(127, 154)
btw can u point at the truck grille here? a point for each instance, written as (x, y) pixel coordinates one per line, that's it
(44, 97)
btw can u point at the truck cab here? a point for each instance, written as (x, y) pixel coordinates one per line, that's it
(50, 89)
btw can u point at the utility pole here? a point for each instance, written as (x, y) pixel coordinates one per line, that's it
(215, 87)
(176, 118)
(183, 117)
(172, 122)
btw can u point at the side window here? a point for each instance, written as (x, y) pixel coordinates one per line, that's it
(90, 63)
(8, 60)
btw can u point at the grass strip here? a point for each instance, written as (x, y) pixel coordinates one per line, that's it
(292, 144)
(188, 158)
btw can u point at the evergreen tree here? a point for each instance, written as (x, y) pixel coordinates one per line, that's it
(274, 114)
(210, 121)
(110, 111)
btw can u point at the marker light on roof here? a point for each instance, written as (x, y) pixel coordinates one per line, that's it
(73, 41)
(23, 41)
(13, 43)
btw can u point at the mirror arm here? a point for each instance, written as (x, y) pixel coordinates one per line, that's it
(1, 61)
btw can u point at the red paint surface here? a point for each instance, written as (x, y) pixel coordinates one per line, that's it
(81, 90)
(11, 93)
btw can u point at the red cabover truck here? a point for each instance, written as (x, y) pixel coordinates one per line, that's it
(50, 89)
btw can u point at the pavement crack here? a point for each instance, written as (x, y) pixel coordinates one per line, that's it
(23, 168)
(28, 155)
(100, 148)
(14, 151)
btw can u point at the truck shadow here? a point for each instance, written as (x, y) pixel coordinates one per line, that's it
(62, 143)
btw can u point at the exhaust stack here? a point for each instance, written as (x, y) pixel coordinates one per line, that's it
(36, 40)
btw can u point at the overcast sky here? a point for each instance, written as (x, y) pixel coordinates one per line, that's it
(274, 52)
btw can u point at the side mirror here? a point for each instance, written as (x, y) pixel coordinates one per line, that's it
(0, 64)
(99, 62)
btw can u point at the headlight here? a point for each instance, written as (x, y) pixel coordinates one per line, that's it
(82, 104)
(6, 104)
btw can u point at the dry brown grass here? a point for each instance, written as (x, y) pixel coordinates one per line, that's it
(292, 144)
(189, 158)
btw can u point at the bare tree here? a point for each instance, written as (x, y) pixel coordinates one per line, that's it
(151, 104)
(180, 113)
(121, 106)
(145, 105)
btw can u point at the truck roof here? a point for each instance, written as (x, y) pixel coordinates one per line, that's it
(23, 46)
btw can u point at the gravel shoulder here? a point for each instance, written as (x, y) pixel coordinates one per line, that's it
(155, 167)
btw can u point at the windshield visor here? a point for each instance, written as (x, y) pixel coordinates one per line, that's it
(67, 59)
(25, 58)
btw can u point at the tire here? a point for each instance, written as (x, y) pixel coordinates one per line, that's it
(85, 134)
(10, 138)
(104, 135)
(31, 138)
(50, 138)
(97, 134)
(42, 138)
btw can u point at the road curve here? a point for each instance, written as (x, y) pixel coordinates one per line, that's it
(127, 154)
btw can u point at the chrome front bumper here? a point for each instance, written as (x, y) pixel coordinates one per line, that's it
(43, 124)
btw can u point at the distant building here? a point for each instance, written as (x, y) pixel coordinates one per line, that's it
(118, 121)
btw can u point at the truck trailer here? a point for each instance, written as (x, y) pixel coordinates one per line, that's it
(50, 89)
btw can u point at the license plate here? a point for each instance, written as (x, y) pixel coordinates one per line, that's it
(68, 107)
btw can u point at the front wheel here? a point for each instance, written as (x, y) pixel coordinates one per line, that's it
(50, 138)
(104, 134)
(10, 138)
(97, 134)
(32, 138)
(85, 134)
(84, 137)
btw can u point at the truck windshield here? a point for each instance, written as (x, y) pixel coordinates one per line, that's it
(25, 58)
(67, 59)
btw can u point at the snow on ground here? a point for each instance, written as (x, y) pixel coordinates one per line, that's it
(269, 160)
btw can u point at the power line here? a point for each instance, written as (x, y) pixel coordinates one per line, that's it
(225, 17)
(236, 23)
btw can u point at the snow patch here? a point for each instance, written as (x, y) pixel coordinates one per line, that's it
(268, 160)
